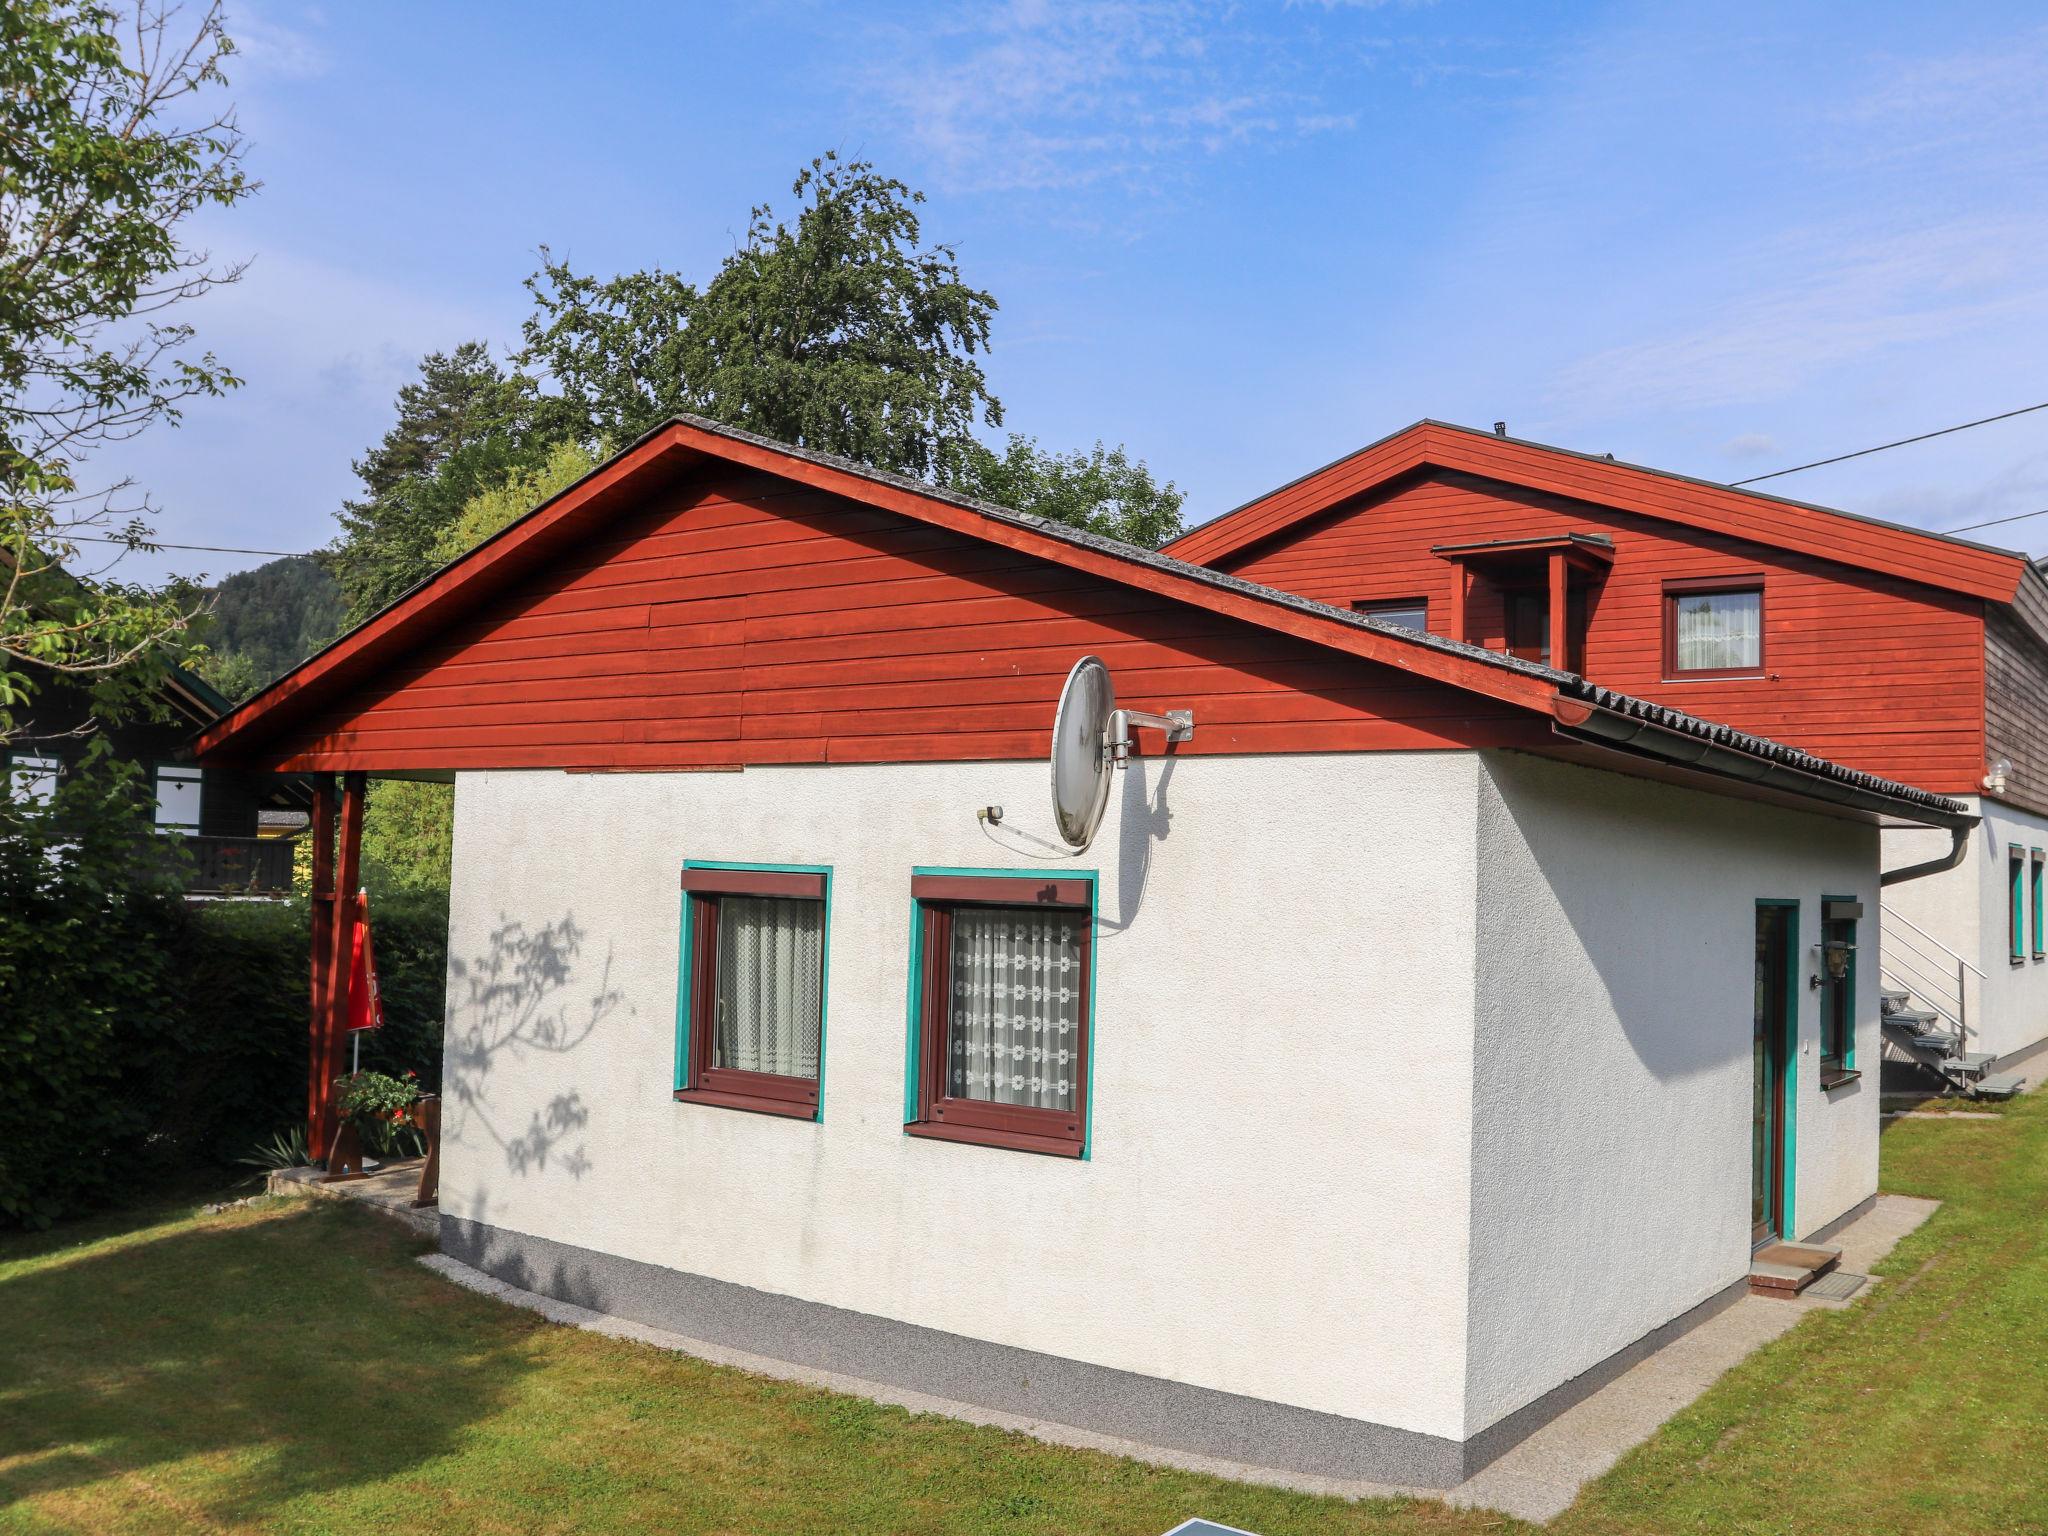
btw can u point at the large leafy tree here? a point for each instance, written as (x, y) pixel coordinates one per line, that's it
(840, 331)
(1104, 490)
(107, 150)
(465, 425)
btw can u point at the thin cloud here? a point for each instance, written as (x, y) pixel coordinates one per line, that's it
(1029, 96)
(274, 48)
(1820, 303)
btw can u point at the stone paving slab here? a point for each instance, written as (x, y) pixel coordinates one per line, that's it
(389, 1191)
(1536, 1481)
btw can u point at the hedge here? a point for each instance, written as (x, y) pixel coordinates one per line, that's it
(142, 1035)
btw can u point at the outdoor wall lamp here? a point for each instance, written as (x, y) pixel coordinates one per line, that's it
(1834, 959)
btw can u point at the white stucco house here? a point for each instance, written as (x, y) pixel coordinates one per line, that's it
(1421, 1042)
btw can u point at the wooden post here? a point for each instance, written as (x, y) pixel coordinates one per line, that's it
(1560, 611)
(319, 1125)
(1457, 600)
(342, 932)
(428, 1112)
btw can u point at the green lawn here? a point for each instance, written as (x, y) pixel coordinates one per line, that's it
(288, 1367)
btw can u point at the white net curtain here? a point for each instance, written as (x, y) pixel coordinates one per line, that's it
(1017, 997)
(1720, 631)
(769, 985)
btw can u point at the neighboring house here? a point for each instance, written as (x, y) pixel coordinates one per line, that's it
(1404, 1053)
(212, 811)
(1904, 653)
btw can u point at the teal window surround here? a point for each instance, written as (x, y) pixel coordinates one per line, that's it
(913, 1034)
(1788, 1182)
(2016, 925)
(2035, 898)
(1847, 1064)
(682, 1039)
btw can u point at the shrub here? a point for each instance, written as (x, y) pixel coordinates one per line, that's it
(141, 1035)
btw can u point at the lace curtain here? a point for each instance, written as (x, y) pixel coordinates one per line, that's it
(769, 985)
(1720, 630)
(1016, 1017)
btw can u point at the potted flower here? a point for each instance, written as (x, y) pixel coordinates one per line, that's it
(371, 1106)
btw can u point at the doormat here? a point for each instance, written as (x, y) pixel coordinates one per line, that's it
(1839, 1286)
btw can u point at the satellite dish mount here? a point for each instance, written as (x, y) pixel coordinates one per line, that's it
(1090, 737)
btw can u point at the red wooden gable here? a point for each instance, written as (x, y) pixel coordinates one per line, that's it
(707, 600)
(1874, 636)
(1791, 526)
(1874, 671)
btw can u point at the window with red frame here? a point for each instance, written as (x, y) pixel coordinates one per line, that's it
(1714, 628)
(1005, 972)
(754, 998)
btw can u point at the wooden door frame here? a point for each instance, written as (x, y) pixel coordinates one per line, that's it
(1780, 1204)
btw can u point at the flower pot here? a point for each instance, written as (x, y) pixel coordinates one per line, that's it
(345, 1157)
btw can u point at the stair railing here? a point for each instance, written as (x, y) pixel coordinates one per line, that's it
(1917, 963)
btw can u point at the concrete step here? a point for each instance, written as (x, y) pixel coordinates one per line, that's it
(1786, 1269)
(1893, 997)
(2000, 1085)
(1908, 1018)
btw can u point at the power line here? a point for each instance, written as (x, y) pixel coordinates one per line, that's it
(1881, 447)
(149, 544)
(1994, 522)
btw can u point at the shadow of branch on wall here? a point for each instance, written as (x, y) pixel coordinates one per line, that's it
(522, 997)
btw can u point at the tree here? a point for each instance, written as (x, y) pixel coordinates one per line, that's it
(264, 621)
(496, 508)
(836, 333)
(1104, 490)
(464, 425)
(105, 155)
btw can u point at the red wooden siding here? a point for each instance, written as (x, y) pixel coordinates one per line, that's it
(1872, 670)
(735, 619)
(1789, 525)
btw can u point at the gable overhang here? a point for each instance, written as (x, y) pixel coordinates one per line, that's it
(672, 451)
(262, 729)
(1934, 560)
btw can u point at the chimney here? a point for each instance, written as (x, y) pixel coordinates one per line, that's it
(1500, 429)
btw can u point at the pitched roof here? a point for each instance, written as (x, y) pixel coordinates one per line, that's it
(1936, 560)
(685, 440)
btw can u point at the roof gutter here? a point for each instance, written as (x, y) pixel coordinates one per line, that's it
(1958, 845)
(1584, 721)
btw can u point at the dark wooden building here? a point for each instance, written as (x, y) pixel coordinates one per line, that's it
(213, 811)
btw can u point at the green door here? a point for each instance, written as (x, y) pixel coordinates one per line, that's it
(1774, 953)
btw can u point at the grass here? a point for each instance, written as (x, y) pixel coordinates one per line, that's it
(287, 1367)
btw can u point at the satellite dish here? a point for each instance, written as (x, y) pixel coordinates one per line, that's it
(1081, 751)
(1090, 738)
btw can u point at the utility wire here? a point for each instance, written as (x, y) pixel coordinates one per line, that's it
(1881, 447)
(1983, 421)
(148, 544)
(1994, 522)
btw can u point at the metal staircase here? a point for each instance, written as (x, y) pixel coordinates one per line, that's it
(1925, 1010)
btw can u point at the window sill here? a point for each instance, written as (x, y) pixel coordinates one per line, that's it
(1716, 677)
(982, 1136)
(1835, 1077)
(787, 1109)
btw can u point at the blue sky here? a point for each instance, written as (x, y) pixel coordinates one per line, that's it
(1241, 239)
